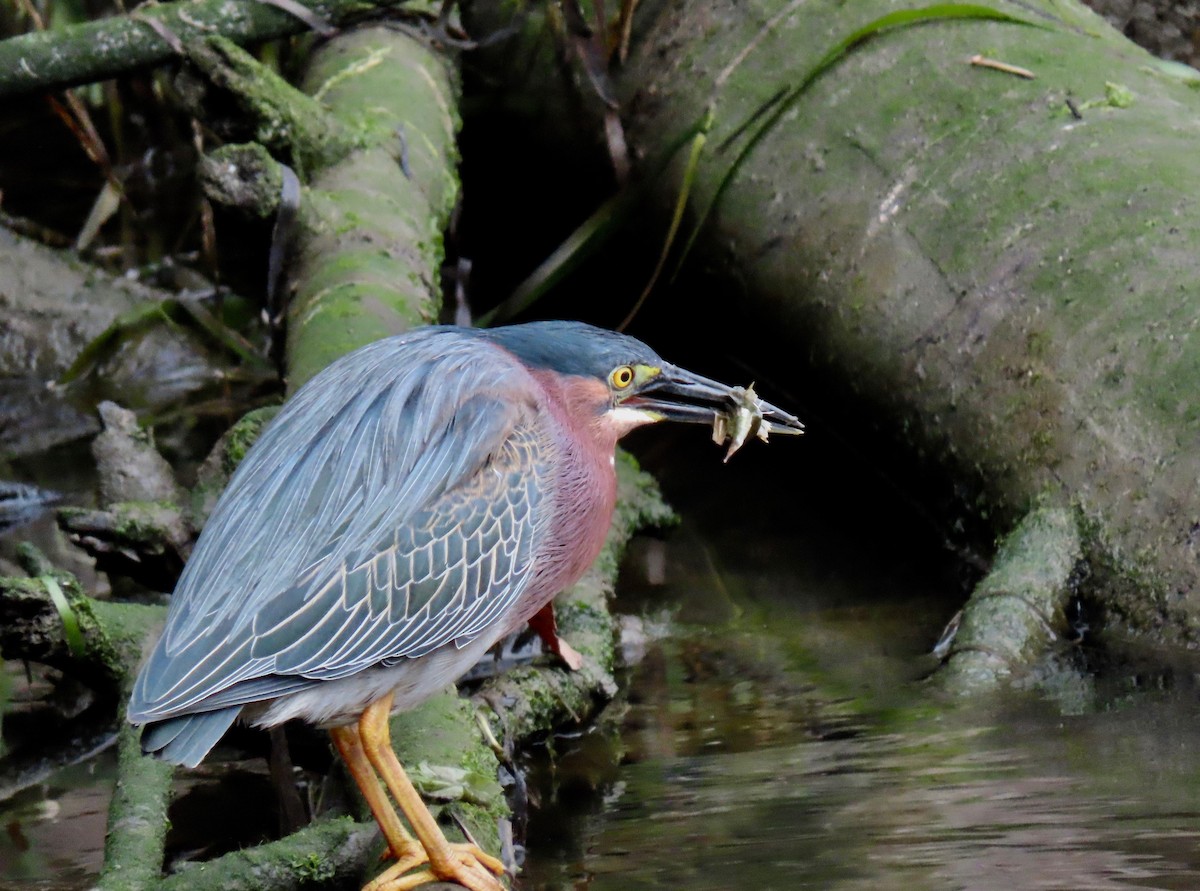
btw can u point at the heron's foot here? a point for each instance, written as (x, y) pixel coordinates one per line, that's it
(546, 626)
(475, 856)
(468, 866)
(408, 853)
(567, 653)
(394, 879)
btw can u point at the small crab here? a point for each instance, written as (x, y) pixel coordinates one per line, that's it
(750, 415)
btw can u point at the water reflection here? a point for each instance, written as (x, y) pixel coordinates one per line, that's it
(54, 832)
(773, 732)
(779, 737)
(724, 786)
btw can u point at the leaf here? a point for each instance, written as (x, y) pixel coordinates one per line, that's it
(588, 237)
(174, 310)
(689, 178)
(107, 341)
(446, 783)
(106, 204)
(70, 621)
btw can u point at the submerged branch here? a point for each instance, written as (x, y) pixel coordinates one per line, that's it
(1016, 612)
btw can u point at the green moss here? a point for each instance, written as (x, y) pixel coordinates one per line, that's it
(312, 869)
(285, 119)
(442, 732)
(142, 521)
(379, 271)
(1003, 627)
(640, 503)
(244, 434)
(581, 613)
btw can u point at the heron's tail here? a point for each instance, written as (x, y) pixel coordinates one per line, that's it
(187, 739)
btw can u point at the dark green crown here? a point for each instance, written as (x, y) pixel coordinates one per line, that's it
(572, 347)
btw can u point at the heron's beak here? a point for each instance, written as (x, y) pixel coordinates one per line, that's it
(680, 395)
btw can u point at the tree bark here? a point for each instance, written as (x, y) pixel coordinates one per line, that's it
(1019, 607)
(1005, 288)
(62, 57)
(369, 255)
(1015, 284)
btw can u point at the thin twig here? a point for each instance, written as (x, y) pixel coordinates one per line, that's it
(754, 42)
(984, 62)
(34, 16)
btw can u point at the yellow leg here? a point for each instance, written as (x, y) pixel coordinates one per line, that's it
(403, 846)
(462, 863)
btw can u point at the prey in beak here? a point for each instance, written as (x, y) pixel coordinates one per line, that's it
(735, 413)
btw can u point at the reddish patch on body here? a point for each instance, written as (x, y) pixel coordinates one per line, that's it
(580, 481)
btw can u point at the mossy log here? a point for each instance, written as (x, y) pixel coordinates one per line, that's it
(328, 854)
(368, 257)
(45, 60)
(996, 272)
(1017, 612)
(1012, 285)
(261, 106)
(137, 825)
(111, 635)
(376, 162)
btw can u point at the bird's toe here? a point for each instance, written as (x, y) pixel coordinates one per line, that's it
(467, 865)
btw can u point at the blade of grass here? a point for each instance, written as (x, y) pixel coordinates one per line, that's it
(70, 621)
(782, 101)
(172, 311)
(689, 177)
(107, 203)
(229, 338)
(104, 343)
(588, 237)
(577, 246)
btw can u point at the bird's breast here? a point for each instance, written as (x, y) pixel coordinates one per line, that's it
(582, 491)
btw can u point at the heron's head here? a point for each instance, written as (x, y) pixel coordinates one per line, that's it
(626, 383)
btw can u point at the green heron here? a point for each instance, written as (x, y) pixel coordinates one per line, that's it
(409, 506)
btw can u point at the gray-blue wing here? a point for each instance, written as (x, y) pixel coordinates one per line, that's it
(391, 509)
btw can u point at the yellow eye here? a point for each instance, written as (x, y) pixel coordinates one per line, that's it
(622, 377)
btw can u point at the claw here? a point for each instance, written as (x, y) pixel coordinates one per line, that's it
(544, 623)
(453, 862)
(468, 866)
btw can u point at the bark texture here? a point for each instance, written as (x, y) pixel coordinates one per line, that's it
(43, 60)
(1013, 287)
(1018, 610)
(369, 254)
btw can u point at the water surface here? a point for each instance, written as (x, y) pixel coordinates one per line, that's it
(781, 734)
(775, 730)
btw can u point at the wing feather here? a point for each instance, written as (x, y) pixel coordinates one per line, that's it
(340, 542)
